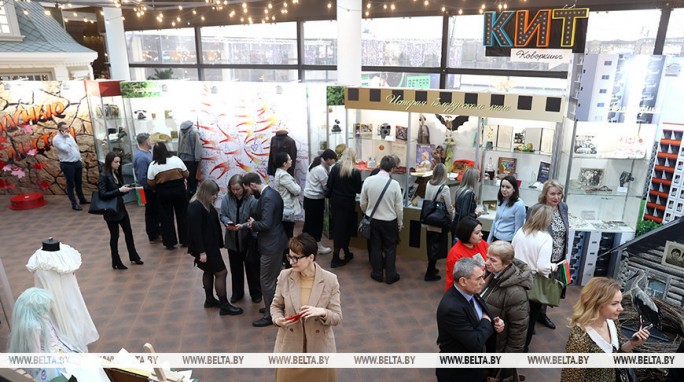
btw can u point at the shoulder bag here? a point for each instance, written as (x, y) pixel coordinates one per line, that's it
(435, 213)
(545, 290)
(364, 225)
(100, 206)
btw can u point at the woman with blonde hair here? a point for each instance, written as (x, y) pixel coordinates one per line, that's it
(437, 237)
(552, 195)
(344, 182)
(464, 200)
(533, 246)
(595, 328)
(206, 241)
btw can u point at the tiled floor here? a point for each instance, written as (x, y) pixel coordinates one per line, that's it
(161, 302)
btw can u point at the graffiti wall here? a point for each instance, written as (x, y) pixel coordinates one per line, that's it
(29, 114)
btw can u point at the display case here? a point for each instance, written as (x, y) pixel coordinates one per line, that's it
(522, 148)
(604, 167)
(110, 127)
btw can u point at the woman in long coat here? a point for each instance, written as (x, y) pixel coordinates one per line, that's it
(305, 308)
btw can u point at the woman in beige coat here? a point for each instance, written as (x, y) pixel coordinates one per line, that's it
(305, 308)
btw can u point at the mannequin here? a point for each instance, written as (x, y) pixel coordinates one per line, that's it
(53, 266)
(190, 152)
(279, 143)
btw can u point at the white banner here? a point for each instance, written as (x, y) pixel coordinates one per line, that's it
(341, 360)
(553, 57)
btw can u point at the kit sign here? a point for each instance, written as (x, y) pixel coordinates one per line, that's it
(546, 29)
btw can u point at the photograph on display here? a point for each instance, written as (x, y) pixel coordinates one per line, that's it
(591, 177)
(424, 155)
(504, 138)
(507, 166)
(674, 254)
(363, 130)
(402, 133)
(585, 144)
(658, 284)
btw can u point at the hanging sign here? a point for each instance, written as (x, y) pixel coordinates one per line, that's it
(553, 57)
(546, 29)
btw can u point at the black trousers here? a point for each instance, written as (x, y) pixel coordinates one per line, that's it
(383, 247)
(313, 219)
(289, 229)
(125, 224)
(344, 218)
(73, 173)
(152, 218)
(535, 311)
(173, 199)
(437, 246)
(244, 262)
(192, 178)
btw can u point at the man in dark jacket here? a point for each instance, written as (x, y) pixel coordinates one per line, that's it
(463, 321)
(271, 238)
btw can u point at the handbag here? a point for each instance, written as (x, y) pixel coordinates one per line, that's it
(100, 206)
(435, 213)
(289, 215)
(364, 225)
(545, 290)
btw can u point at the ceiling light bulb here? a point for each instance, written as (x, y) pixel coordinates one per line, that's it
(180, 7)
(369, 5)
(202, 18)
(392, 6)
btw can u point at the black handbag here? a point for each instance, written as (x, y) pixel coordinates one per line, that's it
(435, 213)
(545, 290)
(364, 225)
(100, 206)
(625, 375)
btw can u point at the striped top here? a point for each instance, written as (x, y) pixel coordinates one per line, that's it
(173, 169)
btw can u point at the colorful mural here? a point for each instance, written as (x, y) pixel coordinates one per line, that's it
(29, 114)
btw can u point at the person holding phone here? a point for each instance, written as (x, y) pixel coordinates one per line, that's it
(595, 328)
(110, 186)
(305, 308)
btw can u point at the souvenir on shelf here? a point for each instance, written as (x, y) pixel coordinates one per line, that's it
(452, 124)
(363, 130)
(385, 130)
(423, 132)
(506, 166)
(402, 134)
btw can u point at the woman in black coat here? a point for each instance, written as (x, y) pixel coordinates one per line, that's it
(206, 241)
(110, 186)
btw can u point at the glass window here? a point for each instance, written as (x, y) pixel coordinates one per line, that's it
(320, 42)
(618, 32)
(250, 75)
(4, 21)
(142, 74)
(165, 46)
(603, 91)
(674, 39)
(268, 44)
(400, 80)
(320, 76)
(503, 84)
(414, 41)
(465, 49)
(605, 76)
(9, 27)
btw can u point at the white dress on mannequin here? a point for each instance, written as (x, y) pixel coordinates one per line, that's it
(54, 271)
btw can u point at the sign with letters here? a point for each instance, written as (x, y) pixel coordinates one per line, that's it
(541, 29)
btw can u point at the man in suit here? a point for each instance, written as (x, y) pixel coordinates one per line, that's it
(271, 238)
(463, 321)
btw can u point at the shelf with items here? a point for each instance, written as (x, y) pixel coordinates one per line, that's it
(602, 165)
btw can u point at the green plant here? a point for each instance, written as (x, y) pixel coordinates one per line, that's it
(645, 226)
(163, 74)
(335, 95)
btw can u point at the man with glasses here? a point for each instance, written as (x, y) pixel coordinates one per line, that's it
(271, 238)
(70, 163)
(463, 321)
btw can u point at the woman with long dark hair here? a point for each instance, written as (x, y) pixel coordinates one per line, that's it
(205, 243)
(464, 199)
(314, 196)
(110, 185)
(167, 174)
(510, 213)
(344, 183)
(437, 238)
(236, 208)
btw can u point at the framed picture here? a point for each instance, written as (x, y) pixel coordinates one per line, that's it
(658, 283)
(507, 166)
(673, 255)
(364, 131)
(585, 144)
(402, 133)
(591, 177)
(490, 205)
(544, 170)
(424, 154)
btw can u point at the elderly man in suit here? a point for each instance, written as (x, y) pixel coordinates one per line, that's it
(463, 321)
(271, 238)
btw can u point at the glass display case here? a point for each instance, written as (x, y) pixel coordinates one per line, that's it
(111, 130)
(604, 167)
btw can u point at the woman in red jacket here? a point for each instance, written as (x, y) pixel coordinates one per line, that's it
(469, 244)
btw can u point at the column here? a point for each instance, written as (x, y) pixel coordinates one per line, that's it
(349, 42)
(116, 44)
